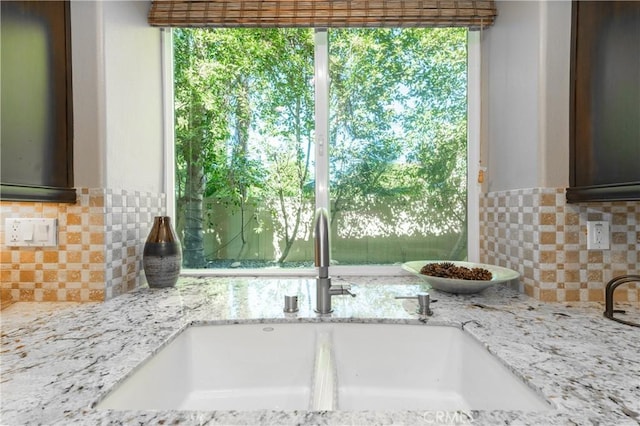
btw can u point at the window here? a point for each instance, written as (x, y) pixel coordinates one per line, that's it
(250, 130)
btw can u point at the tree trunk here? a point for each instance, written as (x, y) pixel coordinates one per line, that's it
(459, 250)
(193, 239)
(193, 250)
(303, 172)
(243, 121)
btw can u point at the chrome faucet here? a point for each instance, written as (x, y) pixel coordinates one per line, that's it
(324, 289)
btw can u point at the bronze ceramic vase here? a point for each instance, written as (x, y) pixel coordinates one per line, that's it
(162, 255)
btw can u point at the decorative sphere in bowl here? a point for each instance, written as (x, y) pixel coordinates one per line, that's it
(461, 286)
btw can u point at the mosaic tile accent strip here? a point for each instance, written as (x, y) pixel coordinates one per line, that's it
(534, 231)
(99, 252)
(129, 217)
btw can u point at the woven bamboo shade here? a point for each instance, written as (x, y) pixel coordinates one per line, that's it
(473, 14)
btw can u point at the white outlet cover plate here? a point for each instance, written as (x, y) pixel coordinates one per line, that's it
(598, 235)
(30, 232)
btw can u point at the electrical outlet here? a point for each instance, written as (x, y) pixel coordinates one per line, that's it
(28, 232)
(598, 235)
(11, 231)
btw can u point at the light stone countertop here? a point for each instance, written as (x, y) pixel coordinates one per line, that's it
(56, 364)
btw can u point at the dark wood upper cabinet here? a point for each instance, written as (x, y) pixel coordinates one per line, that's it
(36, 121)
(605, 101)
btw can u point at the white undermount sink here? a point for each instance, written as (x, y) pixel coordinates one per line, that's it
(323, 366)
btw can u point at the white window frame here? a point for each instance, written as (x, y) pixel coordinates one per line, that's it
(166, 46)
(473, 160)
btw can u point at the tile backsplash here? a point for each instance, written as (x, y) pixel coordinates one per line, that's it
(99, 252)
(535, 232)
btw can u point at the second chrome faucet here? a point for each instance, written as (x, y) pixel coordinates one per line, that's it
(324, 289)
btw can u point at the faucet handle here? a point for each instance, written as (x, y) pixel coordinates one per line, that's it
(290, 304)
(341, 290)
(347, 290)
(424, 301)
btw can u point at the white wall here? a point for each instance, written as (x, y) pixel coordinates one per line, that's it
(555, 70)
(88, 94)
(118, 118)
(526, 95)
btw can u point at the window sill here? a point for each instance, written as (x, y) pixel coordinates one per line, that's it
(356, 270)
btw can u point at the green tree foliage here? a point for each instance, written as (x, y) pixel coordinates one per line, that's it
(245, 125)
(201, 130)
(213, 76)
(286, 120)
(399, 126)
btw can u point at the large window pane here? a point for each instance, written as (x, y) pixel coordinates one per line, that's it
(244, 145)
(398, 133)
(244, 132)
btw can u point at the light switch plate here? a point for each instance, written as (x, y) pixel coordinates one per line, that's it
(30, 232)
(598, 235)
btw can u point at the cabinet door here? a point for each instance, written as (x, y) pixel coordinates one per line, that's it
(36, 121)
(605, 93)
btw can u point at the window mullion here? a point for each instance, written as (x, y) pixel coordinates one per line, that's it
(321, 80)
(474, 107)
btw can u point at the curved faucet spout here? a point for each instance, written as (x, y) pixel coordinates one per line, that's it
(324, 290)
(608, 297)
(322, 248)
